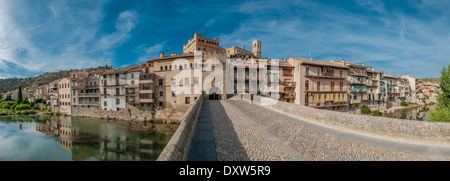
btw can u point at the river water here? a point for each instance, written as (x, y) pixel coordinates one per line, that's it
(67, 138)
(417, 113)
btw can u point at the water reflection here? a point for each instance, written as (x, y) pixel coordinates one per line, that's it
(418, 113)
(81, 139)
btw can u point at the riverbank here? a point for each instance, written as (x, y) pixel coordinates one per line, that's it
(410, 106)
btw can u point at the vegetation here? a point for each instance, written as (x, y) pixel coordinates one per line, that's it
(19, 95)
(376, 113)
(404, 104)
(365, 110)
(432, 80)
(427, 96)
(10, 107)
(11, 84)
(442, 112)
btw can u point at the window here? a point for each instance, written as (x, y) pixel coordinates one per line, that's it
(173, 94)
(307, 85)
(161, 93)
(161, 104)
(173, 81)
(160, 82)
(340, 73)
(165, 67)
(186, 81)
(117, 75)
(332, 86)
(318, 85)
(132, 82)
(117, 91)
(341, 86)
(117, 101)
(161, 67)
(195, 80)
(132, 76)
(187, 100)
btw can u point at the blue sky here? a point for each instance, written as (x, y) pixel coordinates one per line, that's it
(397, 37)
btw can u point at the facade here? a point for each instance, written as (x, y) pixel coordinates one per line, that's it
(132, 86)
(78, 81)
(85, 88)
(64, 93)
(147, 87)
(113, 88)
(412, 82)
(373, 84)
(390, 85)
(287, 82)
(321, 84)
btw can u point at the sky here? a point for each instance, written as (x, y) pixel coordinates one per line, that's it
(397, 37)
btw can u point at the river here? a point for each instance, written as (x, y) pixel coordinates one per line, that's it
(417, 113)
(66, 138)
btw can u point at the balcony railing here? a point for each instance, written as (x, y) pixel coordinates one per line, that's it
(88, 102)
(287, 74)
(88, 94)
(356, 82)
(92, 87)
(288, 84)
(289, 95)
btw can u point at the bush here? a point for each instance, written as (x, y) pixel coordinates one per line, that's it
(404, 104)
(424, 101)
(25, 101)
(39, 101)
(26, 112)
(440, 115)
(7, 104)
(365, 110)
(427, 97)
(376, 113)
(22, 107)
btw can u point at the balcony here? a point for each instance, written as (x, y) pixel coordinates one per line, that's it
(323, 76)
(88, 102)
(287, 74)
(73, 87)
(132, 100)
(132, 86)
(288, 84)
(132, 93)
(355, 82)
(353, 101)
(289, 95)
(358, 74)
(88, 95)
(91, 87)
(146, 100)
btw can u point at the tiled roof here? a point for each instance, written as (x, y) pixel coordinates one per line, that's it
(319, 63)
(124, 70)
(173, 56)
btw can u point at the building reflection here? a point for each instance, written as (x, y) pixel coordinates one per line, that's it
(89, 142)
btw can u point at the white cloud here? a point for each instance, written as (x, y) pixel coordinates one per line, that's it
(54, 35)
(150, 52)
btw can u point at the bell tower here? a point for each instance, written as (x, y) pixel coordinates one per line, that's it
(256, 48)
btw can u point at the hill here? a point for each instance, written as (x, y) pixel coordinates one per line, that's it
(432, 80)
(10, 84)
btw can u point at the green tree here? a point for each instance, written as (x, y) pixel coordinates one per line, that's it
(1, 96)
(19, 95)
(8, 97)
(25, 101)
(444, 95)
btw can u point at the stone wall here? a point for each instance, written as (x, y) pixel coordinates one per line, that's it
(176, 149)
(421, 131)
(129, 113)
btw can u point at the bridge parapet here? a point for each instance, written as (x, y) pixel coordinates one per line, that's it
(421, 131)
(177, 147)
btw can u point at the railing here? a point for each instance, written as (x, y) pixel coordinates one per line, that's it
(132, 93)
(287, 74)
(92, 87)
(88, 102)
(291, 94)
(329, 74)
(288, 84)
(356, 82)
(88, 95)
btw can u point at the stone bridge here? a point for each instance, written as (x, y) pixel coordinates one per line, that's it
(237, 129)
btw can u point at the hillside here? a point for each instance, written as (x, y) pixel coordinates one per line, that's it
(14, 83)
(432, 80)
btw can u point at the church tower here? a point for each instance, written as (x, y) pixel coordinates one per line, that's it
(256, 48)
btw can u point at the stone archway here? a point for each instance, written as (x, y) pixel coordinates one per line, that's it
(214, 93)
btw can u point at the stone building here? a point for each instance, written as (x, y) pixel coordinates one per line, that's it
(320, 84)
(357, 84)
(242, 53)
(287, 83)
(146, 87)
(113, 88)
(78, 80)
(392, 89)
(373, 84)
(64, 93)
(203, 44)
(412, 82)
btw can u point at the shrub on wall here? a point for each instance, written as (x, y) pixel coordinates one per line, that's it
(376, 113)
(365, 110)
(404, 104)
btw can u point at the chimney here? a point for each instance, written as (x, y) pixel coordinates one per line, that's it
(243, 46)
(161, 55)
(344, 62)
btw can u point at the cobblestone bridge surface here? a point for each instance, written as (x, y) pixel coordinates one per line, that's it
(243, 131)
